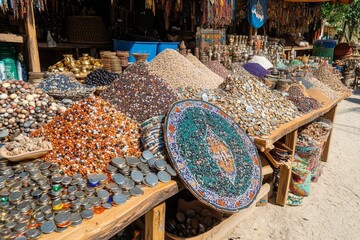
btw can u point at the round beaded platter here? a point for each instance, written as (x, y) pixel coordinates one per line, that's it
(213, 156)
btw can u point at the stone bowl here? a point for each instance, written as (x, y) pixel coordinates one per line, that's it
(140, 57)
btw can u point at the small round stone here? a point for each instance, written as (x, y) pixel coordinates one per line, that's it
(87, 214)
(170, 171)
(137, 176)
(119, 179)
(48, 227)
(151, 179)
(164, 176)
(136, 191)
(119, 198)
(147, 155)
(107, 205)
(160, 164)
(132, 161)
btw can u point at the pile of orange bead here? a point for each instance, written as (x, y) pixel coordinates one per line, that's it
(88, 135)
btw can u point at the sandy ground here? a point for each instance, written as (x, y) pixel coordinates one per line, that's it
(332, 211)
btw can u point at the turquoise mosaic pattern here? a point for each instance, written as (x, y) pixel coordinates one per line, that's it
(212, 155)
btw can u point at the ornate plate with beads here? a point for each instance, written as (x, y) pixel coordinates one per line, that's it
(213, 156)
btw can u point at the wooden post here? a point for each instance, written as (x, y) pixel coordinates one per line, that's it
(331, 116)
(285, 171)
(155, 223)
(33, 51)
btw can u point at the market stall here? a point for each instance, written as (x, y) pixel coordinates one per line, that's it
(162, 142)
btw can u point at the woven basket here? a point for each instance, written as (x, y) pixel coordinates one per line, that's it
(86, 29)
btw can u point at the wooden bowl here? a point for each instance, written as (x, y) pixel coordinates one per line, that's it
(140, 57)
(24, 156)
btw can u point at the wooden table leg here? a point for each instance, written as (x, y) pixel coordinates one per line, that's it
(155, 223)
(331, 116)
(285, 171)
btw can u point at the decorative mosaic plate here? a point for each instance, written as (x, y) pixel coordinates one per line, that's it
(213, 156)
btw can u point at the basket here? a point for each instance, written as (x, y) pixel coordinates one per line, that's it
(73, 95)
(86, 29)
(195, 205)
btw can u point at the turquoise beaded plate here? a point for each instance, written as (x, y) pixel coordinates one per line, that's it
(213, 156)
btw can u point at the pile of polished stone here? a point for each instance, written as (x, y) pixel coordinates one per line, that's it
(327, 75)
(178, 71)
(140, 94)
(24, 108)
(88, 135)
(36, 198)
(257, 109)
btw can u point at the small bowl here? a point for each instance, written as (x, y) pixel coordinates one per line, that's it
(140, 57)
(24, 156)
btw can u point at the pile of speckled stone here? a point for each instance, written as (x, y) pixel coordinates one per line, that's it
(257, 109)
(24, 108)
(88, 135)
(178, 71)
(140, 94)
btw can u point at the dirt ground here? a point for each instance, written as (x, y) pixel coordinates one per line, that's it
(332, 211)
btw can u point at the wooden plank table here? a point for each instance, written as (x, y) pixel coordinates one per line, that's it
(11, 38)
(220, 230)
(289, 131)
(110, 222)
(287, 128)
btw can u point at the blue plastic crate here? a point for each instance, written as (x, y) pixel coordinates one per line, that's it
(164, 45)
(326, 43)
(136, 47)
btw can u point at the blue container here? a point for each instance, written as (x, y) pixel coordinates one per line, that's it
(136, 47)
(164, 45)
(325, 48)
(326, 43)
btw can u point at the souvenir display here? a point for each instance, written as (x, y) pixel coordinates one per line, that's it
(213, 156)
(88, 135)
(140, 94)
(81, 67)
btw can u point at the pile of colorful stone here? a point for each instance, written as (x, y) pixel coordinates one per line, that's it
(304, 104)
(140, 94)
(24, 108)
(88, 135)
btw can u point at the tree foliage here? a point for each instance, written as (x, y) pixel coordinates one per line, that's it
(342, 16)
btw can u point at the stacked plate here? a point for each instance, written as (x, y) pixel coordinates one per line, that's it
(153, 136)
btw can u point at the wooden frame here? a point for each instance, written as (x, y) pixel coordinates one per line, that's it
(110, 222)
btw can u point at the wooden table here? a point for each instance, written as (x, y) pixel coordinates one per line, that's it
(110, 222)
(289, 131)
